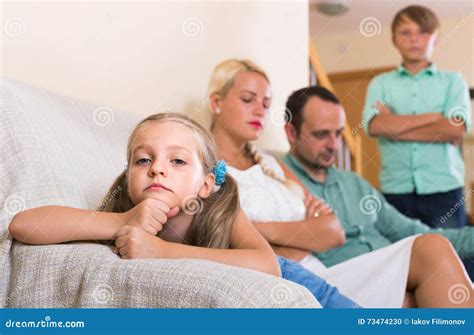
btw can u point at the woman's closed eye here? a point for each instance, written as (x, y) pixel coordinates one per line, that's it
(266, 103)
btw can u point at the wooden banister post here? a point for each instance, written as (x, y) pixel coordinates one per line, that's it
(353, 142)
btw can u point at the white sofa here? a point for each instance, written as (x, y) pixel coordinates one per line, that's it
(60, 151)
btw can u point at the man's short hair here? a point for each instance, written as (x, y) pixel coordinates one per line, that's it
(298, 99)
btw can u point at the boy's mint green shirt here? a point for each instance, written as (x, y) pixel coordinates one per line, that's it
(421, 167)
(369, 221)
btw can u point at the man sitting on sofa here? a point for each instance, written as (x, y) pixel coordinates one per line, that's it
(314, 131)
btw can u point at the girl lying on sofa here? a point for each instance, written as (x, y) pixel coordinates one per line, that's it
(174, 200)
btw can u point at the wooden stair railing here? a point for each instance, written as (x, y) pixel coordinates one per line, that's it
(353, 142)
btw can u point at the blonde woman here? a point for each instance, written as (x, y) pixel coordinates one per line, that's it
(240, 96)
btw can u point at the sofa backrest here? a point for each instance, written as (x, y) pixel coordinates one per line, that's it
(56, 150)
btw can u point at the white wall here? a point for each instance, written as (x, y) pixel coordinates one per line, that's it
(153, 56)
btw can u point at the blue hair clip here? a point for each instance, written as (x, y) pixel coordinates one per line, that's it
(219, 172)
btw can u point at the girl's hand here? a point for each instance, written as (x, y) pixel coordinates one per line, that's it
(316, 207)
(150, 215)
(134, 242)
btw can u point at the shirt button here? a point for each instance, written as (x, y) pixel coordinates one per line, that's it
(363, 239)
(413, 94)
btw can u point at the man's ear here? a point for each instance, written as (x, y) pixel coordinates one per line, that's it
(207, 187)
(291, 134)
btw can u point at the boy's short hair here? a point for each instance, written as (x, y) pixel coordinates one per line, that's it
(424, 17)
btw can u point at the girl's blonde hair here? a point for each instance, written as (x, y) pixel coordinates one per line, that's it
(220, 82)
(212, 222)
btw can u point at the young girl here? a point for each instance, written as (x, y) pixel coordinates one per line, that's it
(174, 200)
(401, 274)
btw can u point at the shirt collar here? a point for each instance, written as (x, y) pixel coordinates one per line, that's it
(431, 69)
(330, 175)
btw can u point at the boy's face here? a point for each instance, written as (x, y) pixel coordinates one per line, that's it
(414, 44)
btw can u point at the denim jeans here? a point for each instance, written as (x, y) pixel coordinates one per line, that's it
(327, 295)
(438, 210)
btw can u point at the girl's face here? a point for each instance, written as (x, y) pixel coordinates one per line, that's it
(165, 165)
(245, 106)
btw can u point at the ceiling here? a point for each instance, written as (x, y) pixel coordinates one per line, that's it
(382, 10)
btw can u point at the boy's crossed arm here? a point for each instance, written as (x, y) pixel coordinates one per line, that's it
(429, 127)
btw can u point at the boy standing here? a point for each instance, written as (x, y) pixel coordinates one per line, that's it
(420, 115)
